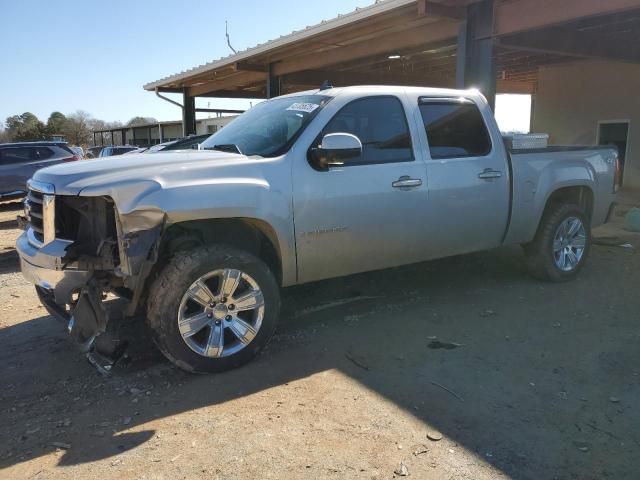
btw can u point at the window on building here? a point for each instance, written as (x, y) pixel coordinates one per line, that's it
(454, 129)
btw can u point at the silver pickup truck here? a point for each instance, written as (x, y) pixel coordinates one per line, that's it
(300, 188)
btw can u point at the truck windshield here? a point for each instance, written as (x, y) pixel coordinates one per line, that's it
(268, 129)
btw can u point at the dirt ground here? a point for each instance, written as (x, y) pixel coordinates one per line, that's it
(522, 380)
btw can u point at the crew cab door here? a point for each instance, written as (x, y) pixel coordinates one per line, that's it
(364, 214)
(467, 175)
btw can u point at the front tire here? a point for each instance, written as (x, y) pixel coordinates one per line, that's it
(561, 245)
(213, 308)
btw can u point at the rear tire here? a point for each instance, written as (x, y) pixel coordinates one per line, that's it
(196, 325)
(557, 254)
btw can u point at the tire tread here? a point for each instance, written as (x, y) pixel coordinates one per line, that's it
(162, 294)
(539, 262)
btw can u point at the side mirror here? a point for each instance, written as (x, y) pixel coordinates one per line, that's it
(335, 149)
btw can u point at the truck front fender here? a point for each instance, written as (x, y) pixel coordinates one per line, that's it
(213, 199)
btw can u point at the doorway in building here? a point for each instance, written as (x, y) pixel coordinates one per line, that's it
(615, 132)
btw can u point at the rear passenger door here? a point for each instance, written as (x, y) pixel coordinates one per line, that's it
(468, 177)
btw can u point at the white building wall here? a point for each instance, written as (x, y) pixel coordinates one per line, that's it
(572, 99)
(171, 132)
(212, 125)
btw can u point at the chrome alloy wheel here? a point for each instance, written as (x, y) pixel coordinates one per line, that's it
(569, 244)
(221, 313)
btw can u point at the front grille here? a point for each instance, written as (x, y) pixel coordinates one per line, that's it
(86, 224)
(34, 202)
(40, 210)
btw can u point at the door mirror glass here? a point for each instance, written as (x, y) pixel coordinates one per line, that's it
(336, 149)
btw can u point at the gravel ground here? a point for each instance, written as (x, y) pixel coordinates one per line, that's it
(516, 378)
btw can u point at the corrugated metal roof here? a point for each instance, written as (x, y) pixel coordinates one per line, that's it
(380, 6)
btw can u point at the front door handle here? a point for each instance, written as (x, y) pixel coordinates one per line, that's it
(406, 182)
(488, 174)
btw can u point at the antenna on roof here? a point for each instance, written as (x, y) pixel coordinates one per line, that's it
(326, 85)
(226, 34)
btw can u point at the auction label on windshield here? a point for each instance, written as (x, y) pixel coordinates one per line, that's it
(303, 107)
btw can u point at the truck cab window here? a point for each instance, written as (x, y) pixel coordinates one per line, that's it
(455, 129)
(381, 126)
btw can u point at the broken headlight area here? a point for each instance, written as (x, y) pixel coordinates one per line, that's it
(90, 223)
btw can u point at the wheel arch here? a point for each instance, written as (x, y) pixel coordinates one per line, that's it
(581, 195)
(250, 234)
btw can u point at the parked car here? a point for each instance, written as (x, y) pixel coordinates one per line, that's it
(137, 150)
(113, 150)
(301, 188)
(19, 161)
(159, 147)
(187, 143)
(94, 152)
(78, 151)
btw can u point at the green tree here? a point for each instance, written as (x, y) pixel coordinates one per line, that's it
(26, 127)
(140, 121)
(4, 135)
(77, 129)
(56, 123)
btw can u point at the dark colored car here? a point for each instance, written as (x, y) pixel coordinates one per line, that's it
(188, 143)
(112, 150)
(19, 161)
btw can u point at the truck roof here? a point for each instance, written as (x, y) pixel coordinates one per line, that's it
(390, 89)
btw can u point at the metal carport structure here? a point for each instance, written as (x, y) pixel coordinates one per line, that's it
(497, 46)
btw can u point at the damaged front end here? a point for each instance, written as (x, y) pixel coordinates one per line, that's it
(81, 255)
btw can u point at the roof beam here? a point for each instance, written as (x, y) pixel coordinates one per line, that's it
(218, 110)
(342, 79)
(249, 67)
(523, 15)
(423, 35)
(170, 90)
(515, 87)
(226, 83)
(427, 8)
(565, 41)
(234, 94)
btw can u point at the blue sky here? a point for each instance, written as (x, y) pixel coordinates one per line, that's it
(83, 54)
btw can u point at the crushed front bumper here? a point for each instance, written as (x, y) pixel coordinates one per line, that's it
(59, 285)
(44, 268)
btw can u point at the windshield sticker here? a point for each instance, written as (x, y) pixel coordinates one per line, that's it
(303, 107)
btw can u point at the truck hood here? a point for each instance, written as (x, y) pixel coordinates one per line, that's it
(102, 176)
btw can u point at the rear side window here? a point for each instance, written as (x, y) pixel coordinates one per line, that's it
(42, 153)
(381, 126)
(16, 155)
(455, 129)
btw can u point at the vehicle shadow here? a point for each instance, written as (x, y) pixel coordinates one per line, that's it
(8, 224)
(9, 205)
(508, 385)
(9, 261)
